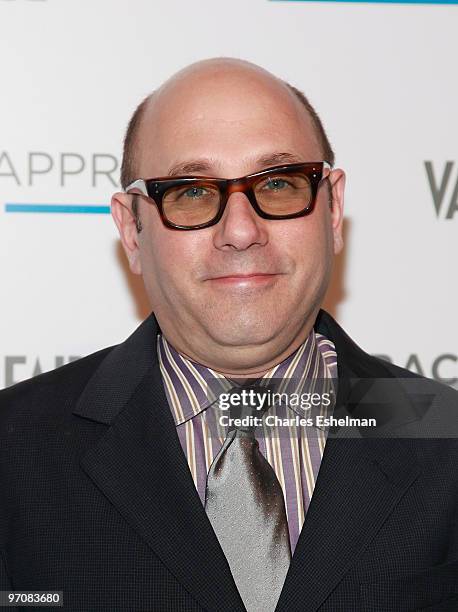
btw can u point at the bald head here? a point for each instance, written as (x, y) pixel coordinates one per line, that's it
(222, 79)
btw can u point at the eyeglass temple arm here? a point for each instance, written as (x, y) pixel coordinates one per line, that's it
(138, 184)
(328, 166)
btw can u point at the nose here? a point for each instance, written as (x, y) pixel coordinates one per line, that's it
(240, 226)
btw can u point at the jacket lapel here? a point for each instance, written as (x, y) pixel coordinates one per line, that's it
(139, 465)
(361, 479)
(359, 484)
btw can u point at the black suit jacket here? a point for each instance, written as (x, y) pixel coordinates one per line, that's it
(97, 499)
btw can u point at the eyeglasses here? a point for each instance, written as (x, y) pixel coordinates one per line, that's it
(190, 202)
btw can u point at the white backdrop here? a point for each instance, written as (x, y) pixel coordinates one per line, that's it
(383, 79)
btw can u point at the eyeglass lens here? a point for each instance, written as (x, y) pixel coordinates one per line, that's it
(279, 194)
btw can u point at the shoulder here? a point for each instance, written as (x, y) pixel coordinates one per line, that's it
(439, 393)
(50, 392)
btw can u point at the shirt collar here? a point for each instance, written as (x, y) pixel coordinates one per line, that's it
(189, 384)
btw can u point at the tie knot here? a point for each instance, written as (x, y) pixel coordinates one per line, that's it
(247, 404)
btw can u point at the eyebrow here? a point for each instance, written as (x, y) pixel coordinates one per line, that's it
(205, 165)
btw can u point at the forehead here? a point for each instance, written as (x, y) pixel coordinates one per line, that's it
(230, 117)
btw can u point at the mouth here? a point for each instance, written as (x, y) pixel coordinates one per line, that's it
(255, 278)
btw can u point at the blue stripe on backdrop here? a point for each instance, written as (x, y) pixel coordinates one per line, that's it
(378, 1)
(56, 208)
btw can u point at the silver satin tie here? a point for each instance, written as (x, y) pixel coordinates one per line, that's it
(245, 505)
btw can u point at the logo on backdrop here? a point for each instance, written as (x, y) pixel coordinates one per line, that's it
(20, 367)
(443, 368)
(443, 184)
(59, 170)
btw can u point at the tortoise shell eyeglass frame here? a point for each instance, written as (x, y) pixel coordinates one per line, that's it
(154, 189)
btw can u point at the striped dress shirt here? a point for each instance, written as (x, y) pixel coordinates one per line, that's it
(294, 451)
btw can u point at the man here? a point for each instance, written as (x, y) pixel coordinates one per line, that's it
(114, 489)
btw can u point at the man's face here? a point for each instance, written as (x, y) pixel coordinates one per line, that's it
(229, 123)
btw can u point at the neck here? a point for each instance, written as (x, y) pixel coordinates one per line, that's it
(252, 370)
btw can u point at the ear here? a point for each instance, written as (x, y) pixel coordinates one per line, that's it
(337, 181)
(121, 211)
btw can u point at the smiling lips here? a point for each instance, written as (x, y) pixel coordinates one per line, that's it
(255, 278)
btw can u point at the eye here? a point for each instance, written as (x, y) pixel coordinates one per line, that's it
(276, 184)
(195, 192)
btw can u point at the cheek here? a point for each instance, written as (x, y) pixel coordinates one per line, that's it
(171, 257)
(308, 244)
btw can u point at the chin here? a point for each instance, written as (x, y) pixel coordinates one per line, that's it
(244, 333)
